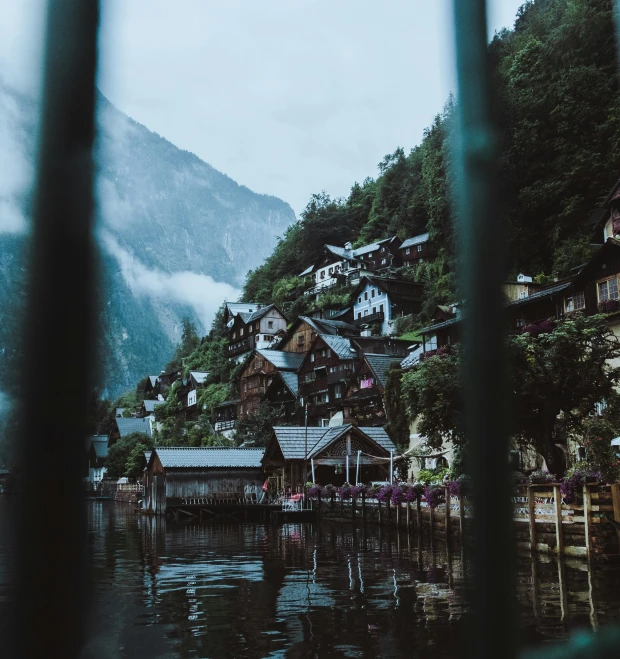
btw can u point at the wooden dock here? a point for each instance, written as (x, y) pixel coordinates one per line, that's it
(242, 512)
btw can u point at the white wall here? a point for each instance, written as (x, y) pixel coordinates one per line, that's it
(365, 306)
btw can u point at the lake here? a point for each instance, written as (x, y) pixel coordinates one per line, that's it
(226, 589)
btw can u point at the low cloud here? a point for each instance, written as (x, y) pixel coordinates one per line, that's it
(201, 292)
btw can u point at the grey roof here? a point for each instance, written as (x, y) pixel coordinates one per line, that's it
(416, 240)
(119, 411)
(228, 403)
(209, 457)
(235, 307)
(411, 359)
(340, 345)
(307, 271)
(283, 361)
(292, 439)
(127, 426)
(199, 376)
(147, 455)
(153, 380)
(380, 365)
(329, 326)
(291, 381)
(150, 405)
(444, 323)
(95, 439)
(342, 312)
(259, 313)
(101, 448)
(550, 290)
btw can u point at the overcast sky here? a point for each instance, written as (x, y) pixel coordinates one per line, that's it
(288, 97)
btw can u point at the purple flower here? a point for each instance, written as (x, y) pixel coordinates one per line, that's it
(356, 491)
(384, 493)
(328, 491)
(571, 485)
(345, 492)
(398, 495)
(434, 495)
(314, 491)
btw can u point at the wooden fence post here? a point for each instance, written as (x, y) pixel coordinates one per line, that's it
(559, 533)
(531, 507)
(461, 516)
(419, 513)
(408, 516)
(380, 512)
(364, 506)
(397, 515)
(447, 512)
(615, 497)
(587, 506)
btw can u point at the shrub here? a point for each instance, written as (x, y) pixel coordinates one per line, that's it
(434, 495)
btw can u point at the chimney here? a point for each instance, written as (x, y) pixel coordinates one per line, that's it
(163, 373)
(348, 245)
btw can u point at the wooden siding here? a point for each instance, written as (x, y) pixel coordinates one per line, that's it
(187, 483)
(293, 344)
(253, 383)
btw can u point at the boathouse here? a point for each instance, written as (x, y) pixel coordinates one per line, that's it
(329, 450)
(175, 474)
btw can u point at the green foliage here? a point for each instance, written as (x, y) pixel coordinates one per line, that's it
(212, 395)
(211, 356)
(256, 430)
(288, 288)
(432, 392)
(601, 457)
(189, 343)
(126, 456)
(432, 476)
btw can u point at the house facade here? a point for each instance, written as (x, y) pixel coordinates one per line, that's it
(293, 451)
(416, 250)
(257, 330)
(380, 301)
(177, 473)
(260, 369)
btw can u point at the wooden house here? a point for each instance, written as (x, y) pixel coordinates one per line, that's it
(323, 376)
(127, 426)
(178, 473)
(257, 330)
(225, 416)
(96, 453)
(283, 394)
(187, 392)
(151, 389)
(303, 331)
(257, 374)
(232, 309)
(416, 250)
(364, 400)
(381, 345)
(381, 300)
(291, 450)
(606, 218)
(148, 407)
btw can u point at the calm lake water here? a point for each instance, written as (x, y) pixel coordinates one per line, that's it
(243, 590)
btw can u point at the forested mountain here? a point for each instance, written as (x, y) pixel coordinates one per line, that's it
(175, 237)
(558, 106)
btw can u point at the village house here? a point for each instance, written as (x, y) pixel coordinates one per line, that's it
(257, 330)
(302, 332)
(225, 416)
(96, 453)
(257, 374)
(177, 473)
(416, 250)
(151, 388)
(323, 376)
(148, 408)
(364, 402)
(126, 426)
(283, 394)
(187, 392)
(293, 451)
(380, 301)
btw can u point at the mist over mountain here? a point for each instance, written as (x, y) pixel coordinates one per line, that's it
(176, 237)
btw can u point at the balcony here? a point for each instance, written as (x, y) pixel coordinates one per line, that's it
(237, 347)
(378, 317)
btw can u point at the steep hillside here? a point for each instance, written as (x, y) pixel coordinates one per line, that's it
(176, 237)
(558, 107)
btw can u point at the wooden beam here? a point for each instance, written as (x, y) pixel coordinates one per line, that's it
(559, 535)
(587, 506)
(531, 507)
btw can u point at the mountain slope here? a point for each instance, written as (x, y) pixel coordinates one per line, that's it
(176, 237)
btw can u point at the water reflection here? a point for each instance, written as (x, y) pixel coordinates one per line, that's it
(242, 590)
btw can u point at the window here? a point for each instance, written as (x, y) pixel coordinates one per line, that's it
(575, 302)
(372, 293)
(234, 335)
(365, 312)
(383, 261)
(270, 324)
(366, 295)
(331, 271)
(257, 326)
(374, 309)
(322, 274)
(370, 255)
(359, 314)
(419, 248)
(359, 300)
(338, 391)
(241, 331)
(408, 250)
(380, 308)
(300, 339)
(337, 269)
(383, 249)
(608, 289)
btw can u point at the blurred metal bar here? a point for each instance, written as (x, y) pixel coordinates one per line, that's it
(59, 345)
(484, 371)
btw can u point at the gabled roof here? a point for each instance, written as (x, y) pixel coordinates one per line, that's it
(408, 288)
(307, 271)
(416, 240)
(283, 361)
(119, 411)
(542, 293)
(127, 426)
(234, 308)
(412, 358)
(147, 456)
(292, 439)
(153, 380)
(199, 376)
(227, 403)
(101, 448)
(95, 439)
(291, 381)
(150, 405)
(327, 326)
(209, 457)
(340, 345)
(438, 326)
(380, 364)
